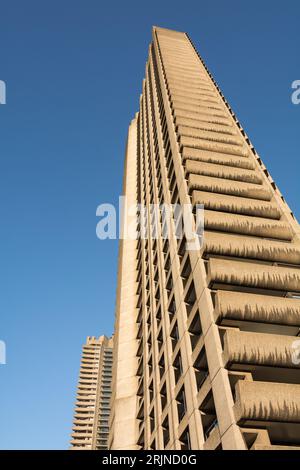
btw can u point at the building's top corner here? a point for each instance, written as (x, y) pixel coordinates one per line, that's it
(166, 30)
(97, 340)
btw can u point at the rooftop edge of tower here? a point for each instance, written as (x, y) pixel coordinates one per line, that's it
(172, 32)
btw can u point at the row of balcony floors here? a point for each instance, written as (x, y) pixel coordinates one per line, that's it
(258, 322)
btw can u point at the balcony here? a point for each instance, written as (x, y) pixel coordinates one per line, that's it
(245, 225)
(239, 306)
(255, 275)
(236, 204)
(211, 146)
(222, 171)
(213, 157)
(249, 348)
(225, 186)
(227, 244)
(271, 406)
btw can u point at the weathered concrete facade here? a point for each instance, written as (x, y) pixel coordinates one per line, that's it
(205, 339)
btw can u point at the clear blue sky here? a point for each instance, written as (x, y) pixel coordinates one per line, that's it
(73, 71)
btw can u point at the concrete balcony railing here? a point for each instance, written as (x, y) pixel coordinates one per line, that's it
(222, 171)
(180, 86)
(244, 225)
(178, 102)
(204, 108)
(267, 401)
(84, 435)
(186, 85)
(82, 429)
(228, 244)
(257, 308)
(273, 447)
(206, 96)
(174, 69)
(258, 348)
(259, 439)
(208, 135)
(197, 124)
(188, 67)
(253, 275)
(189, 153)
(236, 205)
(194, 89)
(211, 146)
(198, 79)
(193, 97)
(81, 442)
(200, 115)
(225, 186)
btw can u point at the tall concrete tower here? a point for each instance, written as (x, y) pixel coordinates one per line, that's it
(206, 341)
(92, 408)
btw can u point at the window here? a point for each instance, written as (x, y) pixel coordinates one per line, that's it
(152, 420)
(172, 307)
(166, 432)
(186, 271)
(190, 298)
(195, 329)
(181, 404)
(185, 440)
(174, 335)
(163, 396)
(177, 366)
(161, 366)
